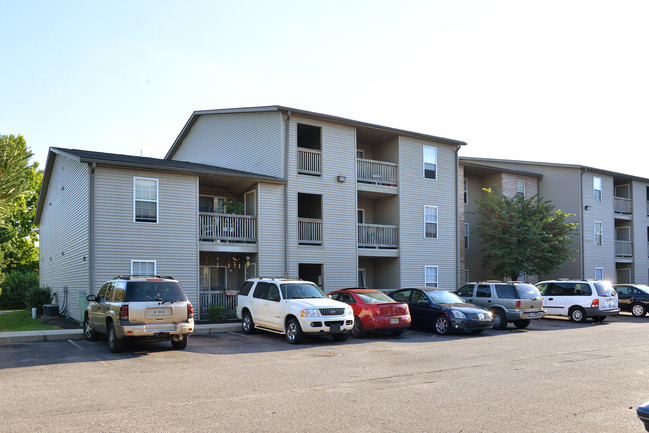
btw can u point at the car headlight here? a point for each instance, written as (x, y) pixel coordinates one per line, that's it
(458, 314)
(310, 312)
(348, 312)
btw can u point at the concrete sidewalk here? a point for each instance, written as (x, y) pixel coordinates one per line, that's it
(77, 334)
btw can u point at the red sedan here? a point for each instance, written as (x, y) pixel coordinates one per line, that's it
(374, 311)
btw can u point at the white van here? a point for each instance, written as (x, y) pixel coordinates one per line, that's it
(579, 299)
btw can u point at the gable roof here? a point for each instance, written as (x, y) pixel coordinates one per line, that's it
(279, 108)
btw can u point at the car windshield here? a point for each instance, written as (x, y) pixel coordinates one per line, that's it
(374, 297)
(444, 297)
(527, 291)
(604, 288)
(167, 291)
(301, 291)
(643, 288)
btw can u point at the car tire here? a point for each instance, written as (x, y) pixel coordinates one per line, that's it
(500, 320)
(599, 319)
(87, 330)
(357, 330)
(522, 323)
(181, 343)
(294, 334)
(114, 344)
(343, 336)
(577, 314)
(638, 310)
(247, 323)
(442, 325)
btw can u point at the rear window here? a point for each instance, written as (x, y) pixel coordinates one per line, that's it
(137, 291)
(604, 289)
(527, 291)
(505, 291)
(374, 297)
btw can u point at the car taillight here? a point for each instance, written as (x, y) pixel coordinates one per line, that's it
(190, 311)
(518, 304)
(374, 309)
(123, 312)
(595, 303)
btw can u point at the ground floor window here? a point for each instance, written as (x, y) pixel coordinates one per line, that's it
(143, 268)
(599, 273)
(431, 276)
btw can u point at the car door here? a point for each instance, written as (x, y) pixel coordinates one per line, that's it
(421, 309)
(555, 296)
(483, 296)
(99, 308)
(466, 292)
(274, 307)
(257, 303)
(624, 297)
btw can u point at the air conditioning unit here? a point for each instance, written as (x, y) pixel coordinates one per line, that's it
(50, 310)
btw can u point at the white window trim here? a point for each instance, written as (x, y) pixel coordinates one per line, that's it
(595, 189)
(360, 154)
(601, 225)
(430, 222)
(519, 182)
(436, 273)
(157, 201)
(155, 265)
(423, 165)
(361, 212)
(362, 272)
(215, 201)
(600, 269)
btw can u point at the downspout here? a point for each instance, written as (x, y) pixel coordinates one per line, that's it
(91, 227)
(286, 134)
(581, 221)
(457, 217)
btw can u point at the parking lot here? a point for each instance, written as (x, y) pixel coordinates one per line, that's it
(554, 376)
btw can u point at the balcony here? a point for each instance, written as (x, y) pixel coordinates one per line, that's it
(623, 249)
(309, 161)
(309, 231)
(377, 236)
(216, 227)
(376, 172)
(622, 205)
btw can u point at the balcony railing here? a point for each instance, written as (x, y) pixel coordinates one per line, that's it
(376, 172)
(623, 249)
(309, 161)
(309, 231)
(227, 228)
(377, 236)
(218, 298)
(622, 205)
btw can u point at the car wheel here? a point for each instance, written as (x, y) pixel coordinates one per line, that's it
(115, 344)
(247, 323)
(500, 320)
(638, 310)
(357, 330)
(396, 333)
(599, 319)
(522, 324)
(577, 314)
(179, 342)
(343, 336)
(294, 334)
(87, 330)
(442, 325)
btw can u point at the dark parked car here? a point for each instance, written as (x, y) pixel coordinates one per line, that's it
(633, 298)
(442, 311)
(374, 311)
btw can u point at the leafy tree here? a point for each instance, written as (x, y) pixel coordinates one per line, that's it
(14, 157)
(523, 235)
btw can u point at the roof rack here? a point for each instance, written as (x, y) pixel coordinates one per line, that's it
(139, 277)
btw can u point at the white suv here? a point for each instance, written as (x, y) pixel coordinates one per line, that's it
(293, 308)
(579, 299)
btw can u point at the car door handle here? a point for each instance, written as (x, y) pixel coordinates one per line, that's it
(550, 299)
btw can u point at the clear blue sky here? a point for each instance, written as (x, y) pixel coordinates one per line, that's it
(558, 81)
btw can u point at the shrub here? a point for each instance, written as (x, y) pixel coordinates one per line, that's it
(217, 313)
(15, 287)
(37, 297)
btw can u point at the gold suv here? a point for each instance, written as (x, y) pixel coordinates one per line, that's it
(143, 308)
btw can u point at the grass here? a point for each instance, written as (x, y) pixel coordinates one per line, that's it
(21, 320)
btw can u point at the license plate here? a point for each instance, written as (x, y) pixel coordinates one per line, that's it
(159, 311)
(534, 315)
(335, 328)
(394, 321)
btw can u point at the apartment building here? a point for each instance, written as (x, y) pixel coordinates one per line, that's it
(263, 191)
(611, 208)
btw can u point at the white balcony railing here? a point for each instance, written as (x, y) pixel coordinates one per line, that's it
(309, 231)
(309, 161)
(217, 298)
(623, 249)
(376, 172)
(622, 205)
(227, 227)
(377, 236)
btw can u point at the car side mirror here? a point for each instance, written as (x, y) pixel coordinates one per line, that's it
(90, 298)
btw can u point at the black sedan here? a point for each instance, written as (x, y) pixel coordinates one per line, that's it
(633, 298)
(443, 311)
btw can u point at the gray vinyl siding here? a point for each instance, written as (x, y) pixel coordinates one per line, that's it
(63, 237)
(172, 242)
(251, 142)
(473, 255)
(337, 253)
(271, 230)
(415, 191)
(640, 223)
(595, 256)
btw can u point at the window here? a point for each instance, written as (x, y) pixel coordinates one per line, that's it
(599, 235)
(466, 235)
(599, 273)
(520, 187)
(466, 191)
(143, 268)
(430, 162)
(212, 278)
(430, 222)
(145, 200)
(597, 189)
(483, 291)
(466, 275)
(360, 154)
(431, 276)
(362, 278)
(466, 291)
(207, 203)
(361, 216)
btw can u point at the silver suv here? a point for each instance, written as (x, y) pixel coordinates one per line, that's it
(146, 308)
(509, 302)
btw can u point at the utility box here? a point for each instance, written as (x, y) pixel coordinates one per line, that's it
(83, 303)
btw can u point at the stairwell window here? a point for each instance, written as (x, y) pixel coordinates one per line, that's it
(145, 200)
(431, 276)
(430, 162)
(430, 222)
(597, 189)
(599, 234)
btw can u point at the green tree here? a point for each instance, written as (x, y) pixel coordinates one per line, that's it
(14, 159)
(523, 235)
